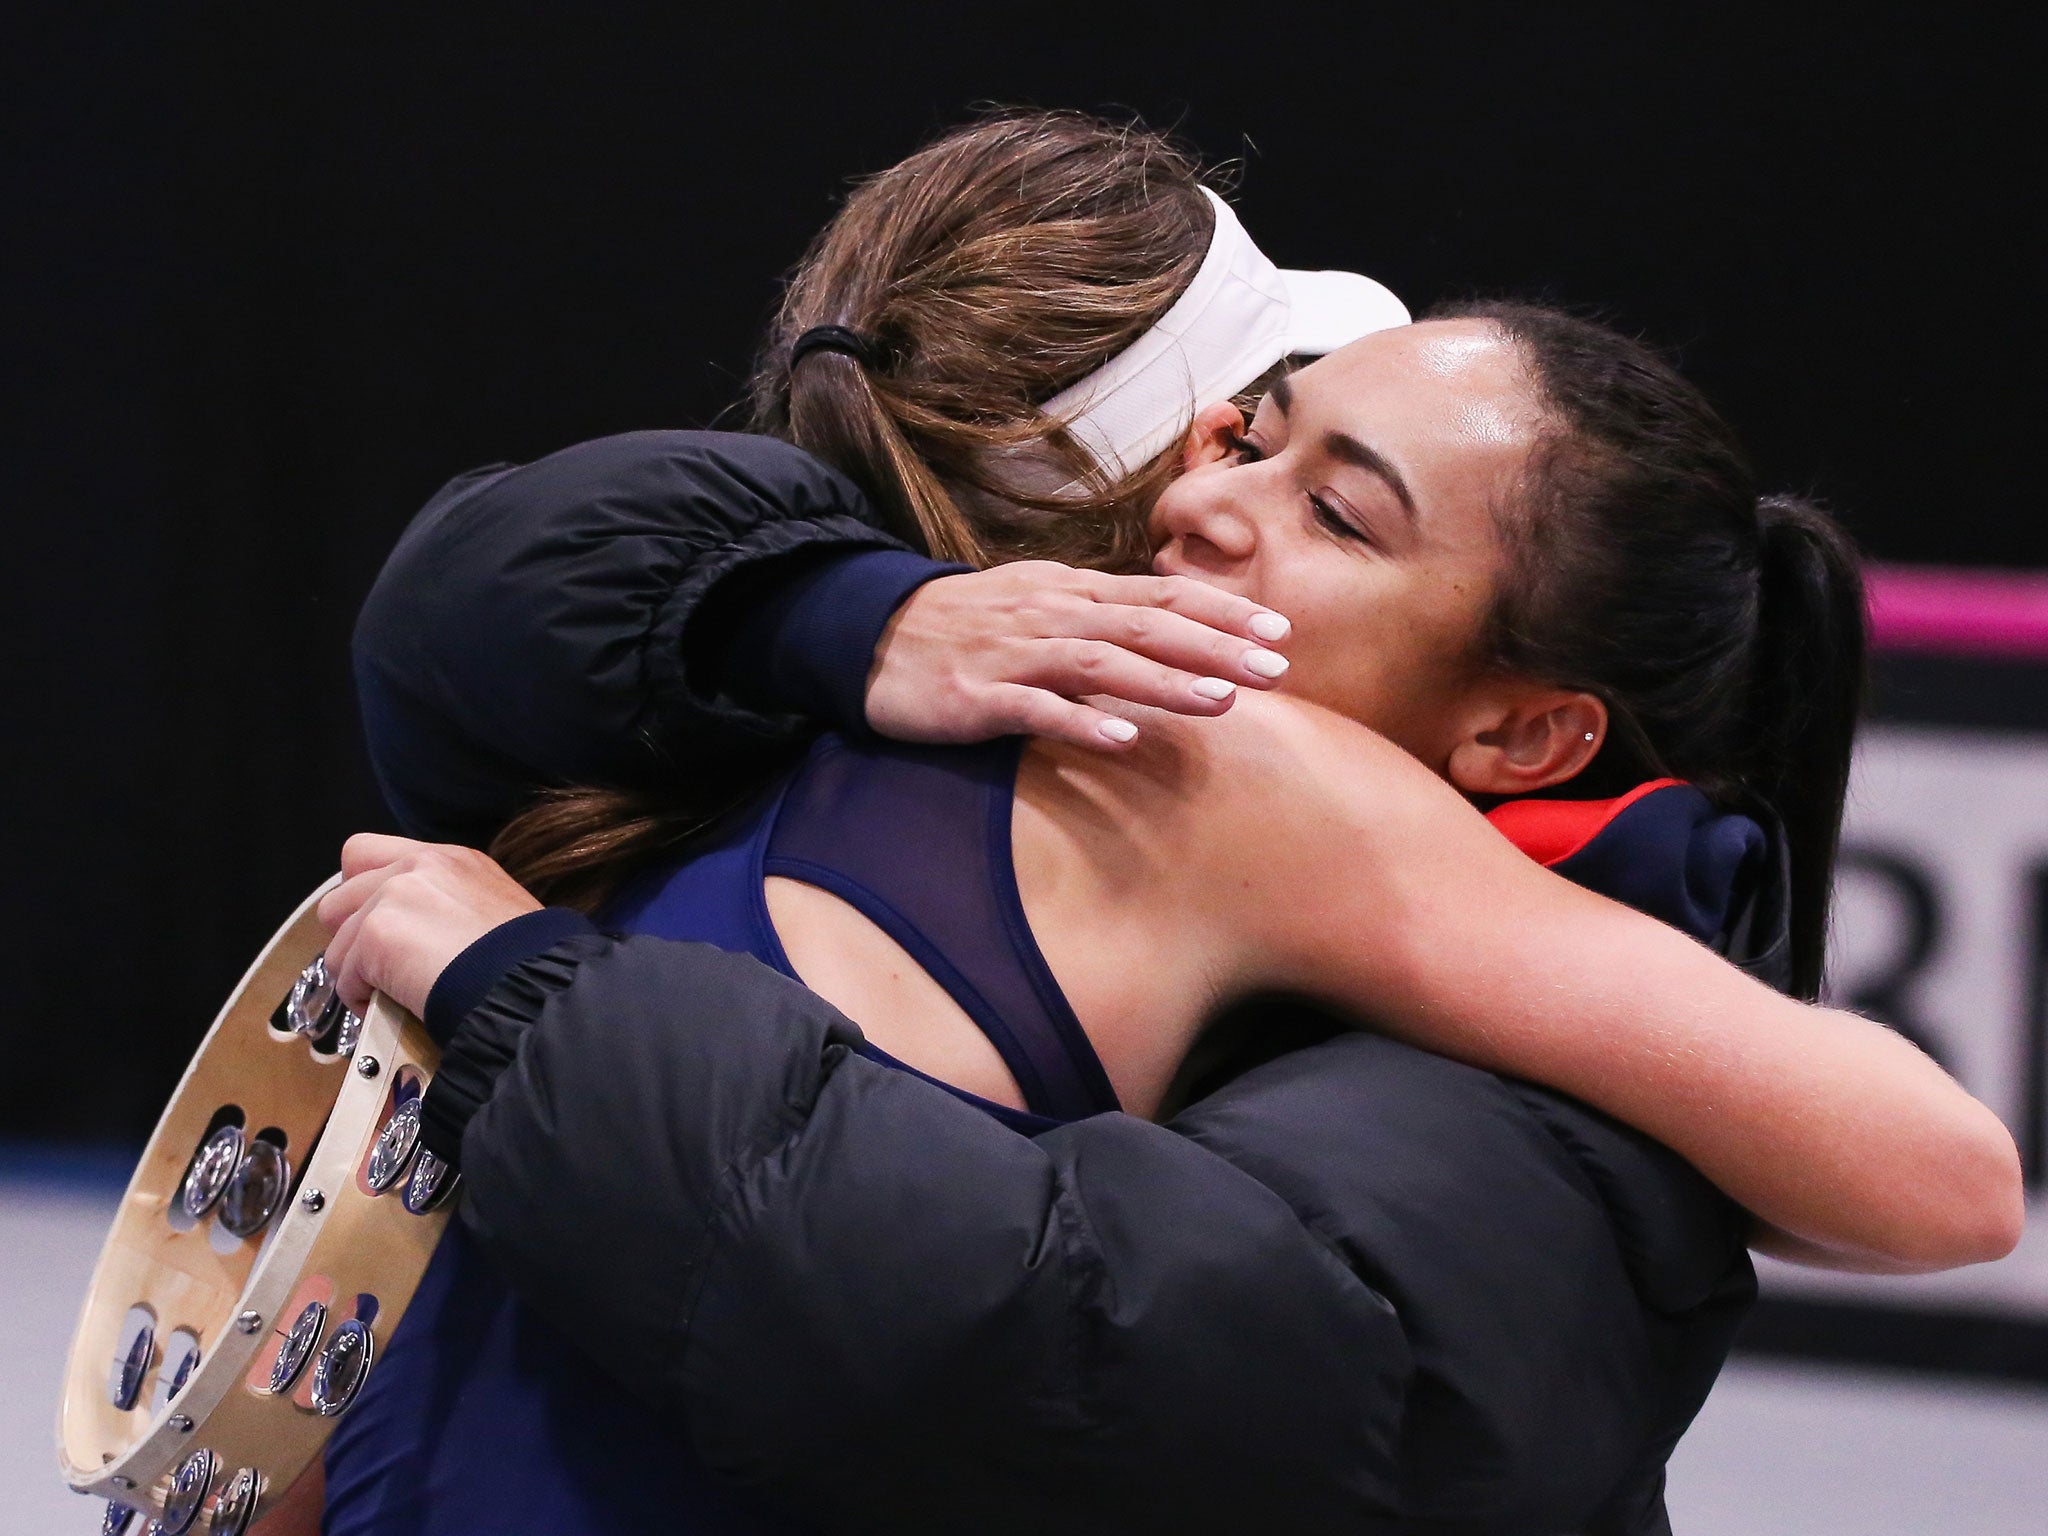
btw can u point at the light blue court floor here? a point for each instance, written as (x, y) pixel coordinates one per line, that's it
(1781, 1450)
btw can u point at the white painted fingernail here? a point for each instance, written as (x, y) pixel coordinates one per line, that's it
(1213, 687)
(1268, 626)
(1118, 730)
(1264, 663)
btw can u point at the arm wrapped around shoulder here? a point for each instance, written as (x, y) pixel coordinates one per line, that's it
(533, 625)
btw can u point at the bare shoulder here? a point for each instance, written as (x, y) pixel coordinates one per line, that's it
(1255, 841)
(1273, 755)
(1272, 779)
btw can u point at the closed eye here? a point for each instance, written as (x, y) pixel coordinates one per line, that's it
(1250, 451)
(1335, 522)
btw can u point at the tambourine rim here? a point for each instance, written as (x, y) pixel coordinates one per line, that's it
(137, 1475)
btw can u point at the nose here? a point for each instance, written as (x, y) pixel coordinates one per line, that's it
(1206, 525)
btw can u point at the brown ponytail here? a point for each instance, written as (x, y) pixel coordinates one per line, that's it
(991, 269)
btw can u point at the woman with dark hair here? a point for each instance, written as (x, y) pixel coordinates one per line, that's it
(1501, 537)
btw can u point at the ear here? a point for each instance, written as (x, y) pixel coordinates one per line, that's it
(1216, 428)
(1530, 739)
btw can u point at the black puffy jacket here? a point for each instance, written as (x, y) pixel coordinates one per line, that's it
(1356, 1287)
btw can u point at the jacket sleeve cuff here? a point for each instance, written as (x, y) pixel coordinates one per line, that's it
(485, 1041)
(807, 642)
(471, 974)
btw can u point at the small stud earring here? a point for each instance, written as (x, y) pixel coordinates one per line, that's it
(1589, 735)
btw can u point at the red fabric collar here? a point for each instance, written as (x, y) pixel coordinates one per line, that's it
(1551, 831)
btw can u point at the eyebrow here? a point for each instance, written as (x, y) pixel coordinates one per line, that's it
(1343, 445)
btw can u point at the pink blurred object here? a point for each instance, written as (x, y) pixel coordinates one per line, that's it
(1958, 612)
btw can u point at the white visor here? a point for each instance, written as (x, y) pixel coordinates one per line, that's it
(1239, 317)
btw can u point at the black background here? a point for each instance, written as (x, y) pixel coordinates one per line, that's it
(273, 274)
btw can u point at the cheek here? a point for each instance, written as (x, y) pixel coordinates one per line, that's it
(1400, 616)
(1354, 650)
(1391, 654)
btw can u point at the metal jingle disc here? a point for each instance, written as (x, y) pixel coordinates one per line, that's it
(349, 1031)
(306, 1009)
(212, 1166)
(188, 1490)
(325, 1035)
(256, 1189)
(183, 1373)
(132, 1354)
(181, 1359)
(396, 1143)
(343, 1367)
(118, 1518)
(433, 1180)
(236, 1506)
(297, 1348)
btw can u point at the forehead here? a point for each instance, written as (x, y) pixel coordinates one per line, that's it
(1448, 400)
(1436, 364)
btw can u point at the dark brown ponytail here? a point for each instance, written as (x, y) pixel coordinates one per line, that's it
(1811, 638)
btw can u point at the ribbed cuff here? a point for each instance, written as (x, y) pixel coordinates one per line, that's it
(485, 1039)
(807, 644)
(462, 985)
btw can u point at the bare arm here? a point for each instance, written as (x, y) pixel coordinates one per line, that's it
(1389, 894)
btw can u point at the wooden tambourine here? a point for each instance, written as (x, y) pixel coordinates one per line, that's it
(281, 1218)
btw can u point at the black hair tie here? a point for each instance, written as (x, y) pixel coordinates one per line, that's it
(832, 338)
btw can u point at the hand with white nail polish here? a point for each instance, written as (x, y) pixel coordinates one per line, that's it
(1021, 649)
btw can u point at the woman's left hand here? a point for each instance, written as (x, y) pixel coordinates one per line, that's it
(404, 909)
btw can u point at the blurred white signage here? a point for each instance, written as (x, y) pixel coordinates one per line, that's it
(1941, 928)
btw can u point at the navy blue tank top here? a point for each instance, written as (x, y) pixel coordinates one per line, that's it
(918, 841)
(479, 1415)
